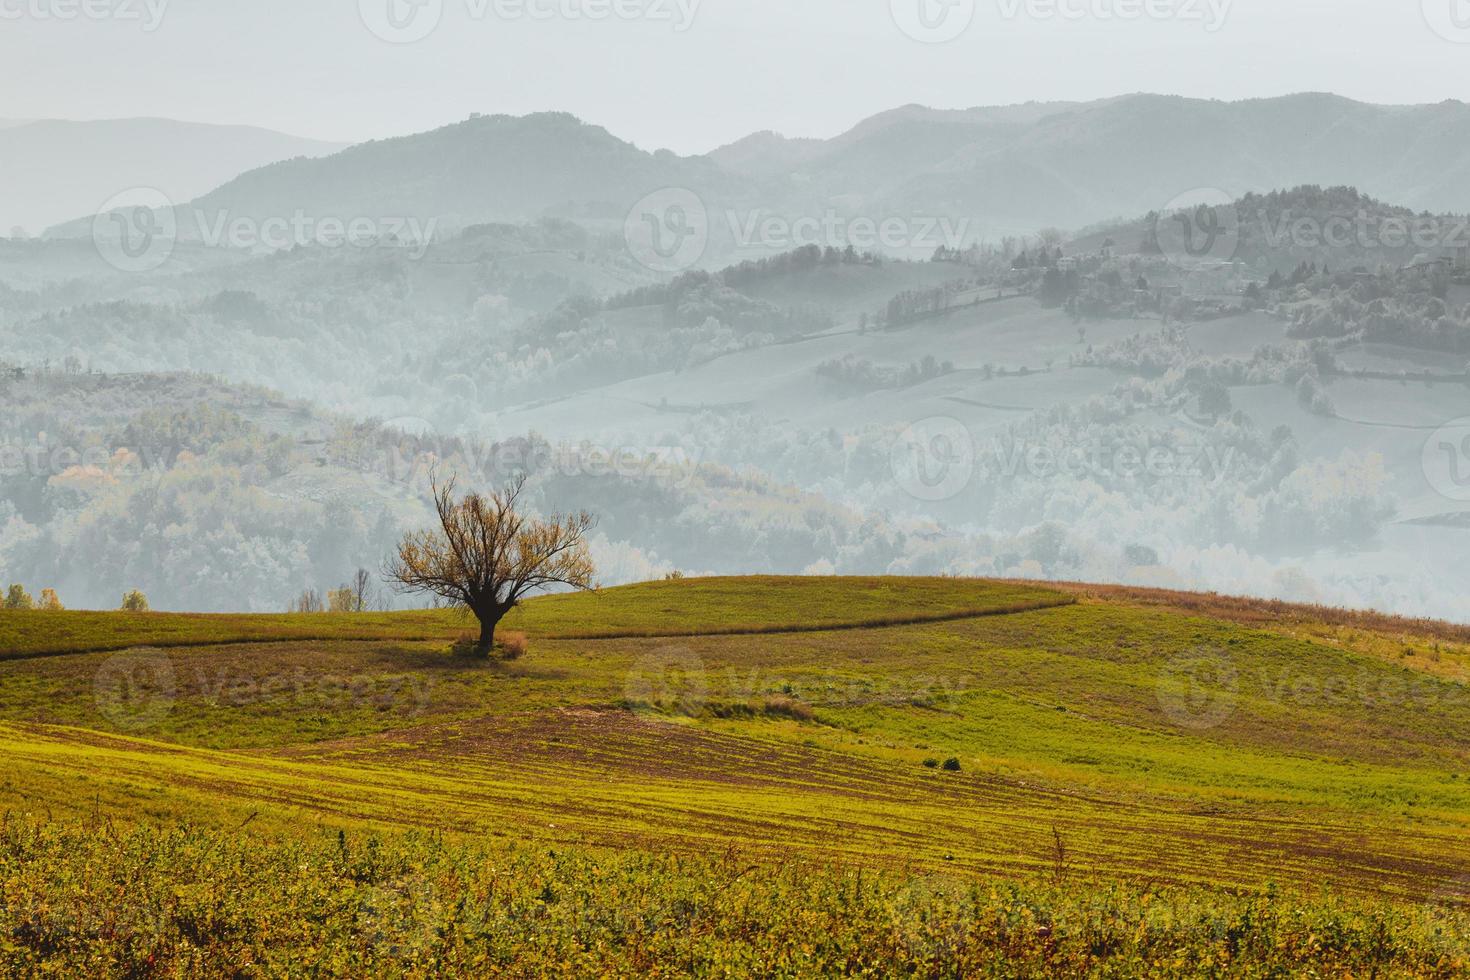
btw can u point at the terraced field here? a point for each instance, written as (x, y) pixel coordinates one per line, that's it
(931, 730)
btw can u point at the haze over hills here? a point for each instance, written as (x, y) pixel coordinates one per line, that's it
(630, 505)
(1027, 166)
(56, 170)
(487, 168)
(1004, 170)
(1282, 382)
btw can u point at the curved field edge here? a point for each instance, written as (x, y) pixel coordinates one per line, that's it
(882, 622)
(689, 607)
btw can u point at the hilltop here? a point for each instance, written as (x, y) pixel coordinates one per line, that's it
(939, 737)
(789, 382)
(1015, 168)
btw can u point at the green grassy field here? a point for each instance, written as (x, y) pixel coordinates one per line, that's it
(719, 606)
(985, 777)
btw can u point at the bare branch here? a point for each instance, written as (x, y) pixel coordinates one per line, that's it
(486, 557)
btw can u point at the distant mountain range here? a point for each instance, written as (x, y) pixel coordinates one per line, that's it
(53, 171)
(487, 168)
(1075, 164)
(1005, 169)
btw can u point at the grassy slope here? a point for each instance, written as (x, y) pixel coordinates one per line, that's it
(755, 605)
(1083, 712)
(1161, 745)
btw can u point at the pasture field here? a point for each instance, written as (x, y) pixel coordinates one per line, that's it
(788, 776)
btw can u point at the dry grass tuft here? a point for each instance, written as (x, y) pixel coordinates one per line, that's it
(513, 646)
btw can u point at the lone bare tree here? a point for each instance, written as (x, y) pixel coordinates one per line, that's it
(486, 557)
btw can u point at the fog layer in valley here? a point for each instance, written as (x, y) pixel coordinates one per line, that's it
(1022, 342)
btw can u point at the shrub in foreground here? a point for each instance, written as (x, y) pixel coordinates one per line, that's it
(512, 646)
(82, 900)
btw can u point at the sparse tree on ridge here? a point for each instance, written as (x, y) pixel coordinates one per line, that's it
(19, 599)
(310, 601)
(362, 594)
(486, 556)
(134, 601)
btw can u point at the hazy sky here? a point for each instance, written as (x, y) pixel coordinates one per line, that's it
(692, 74)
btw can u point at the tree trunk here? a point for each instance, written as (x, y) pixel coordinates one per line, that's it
(489, 618)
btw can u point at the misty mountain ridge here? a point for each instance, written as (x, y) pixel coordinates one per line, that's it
(1005, 170)
(484, 169)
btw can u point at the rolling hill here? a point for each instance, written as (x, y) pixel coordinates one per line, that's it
(1071, 164)
(1298, 772)
(485, 169)
(780, 379)
(1008, 170)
